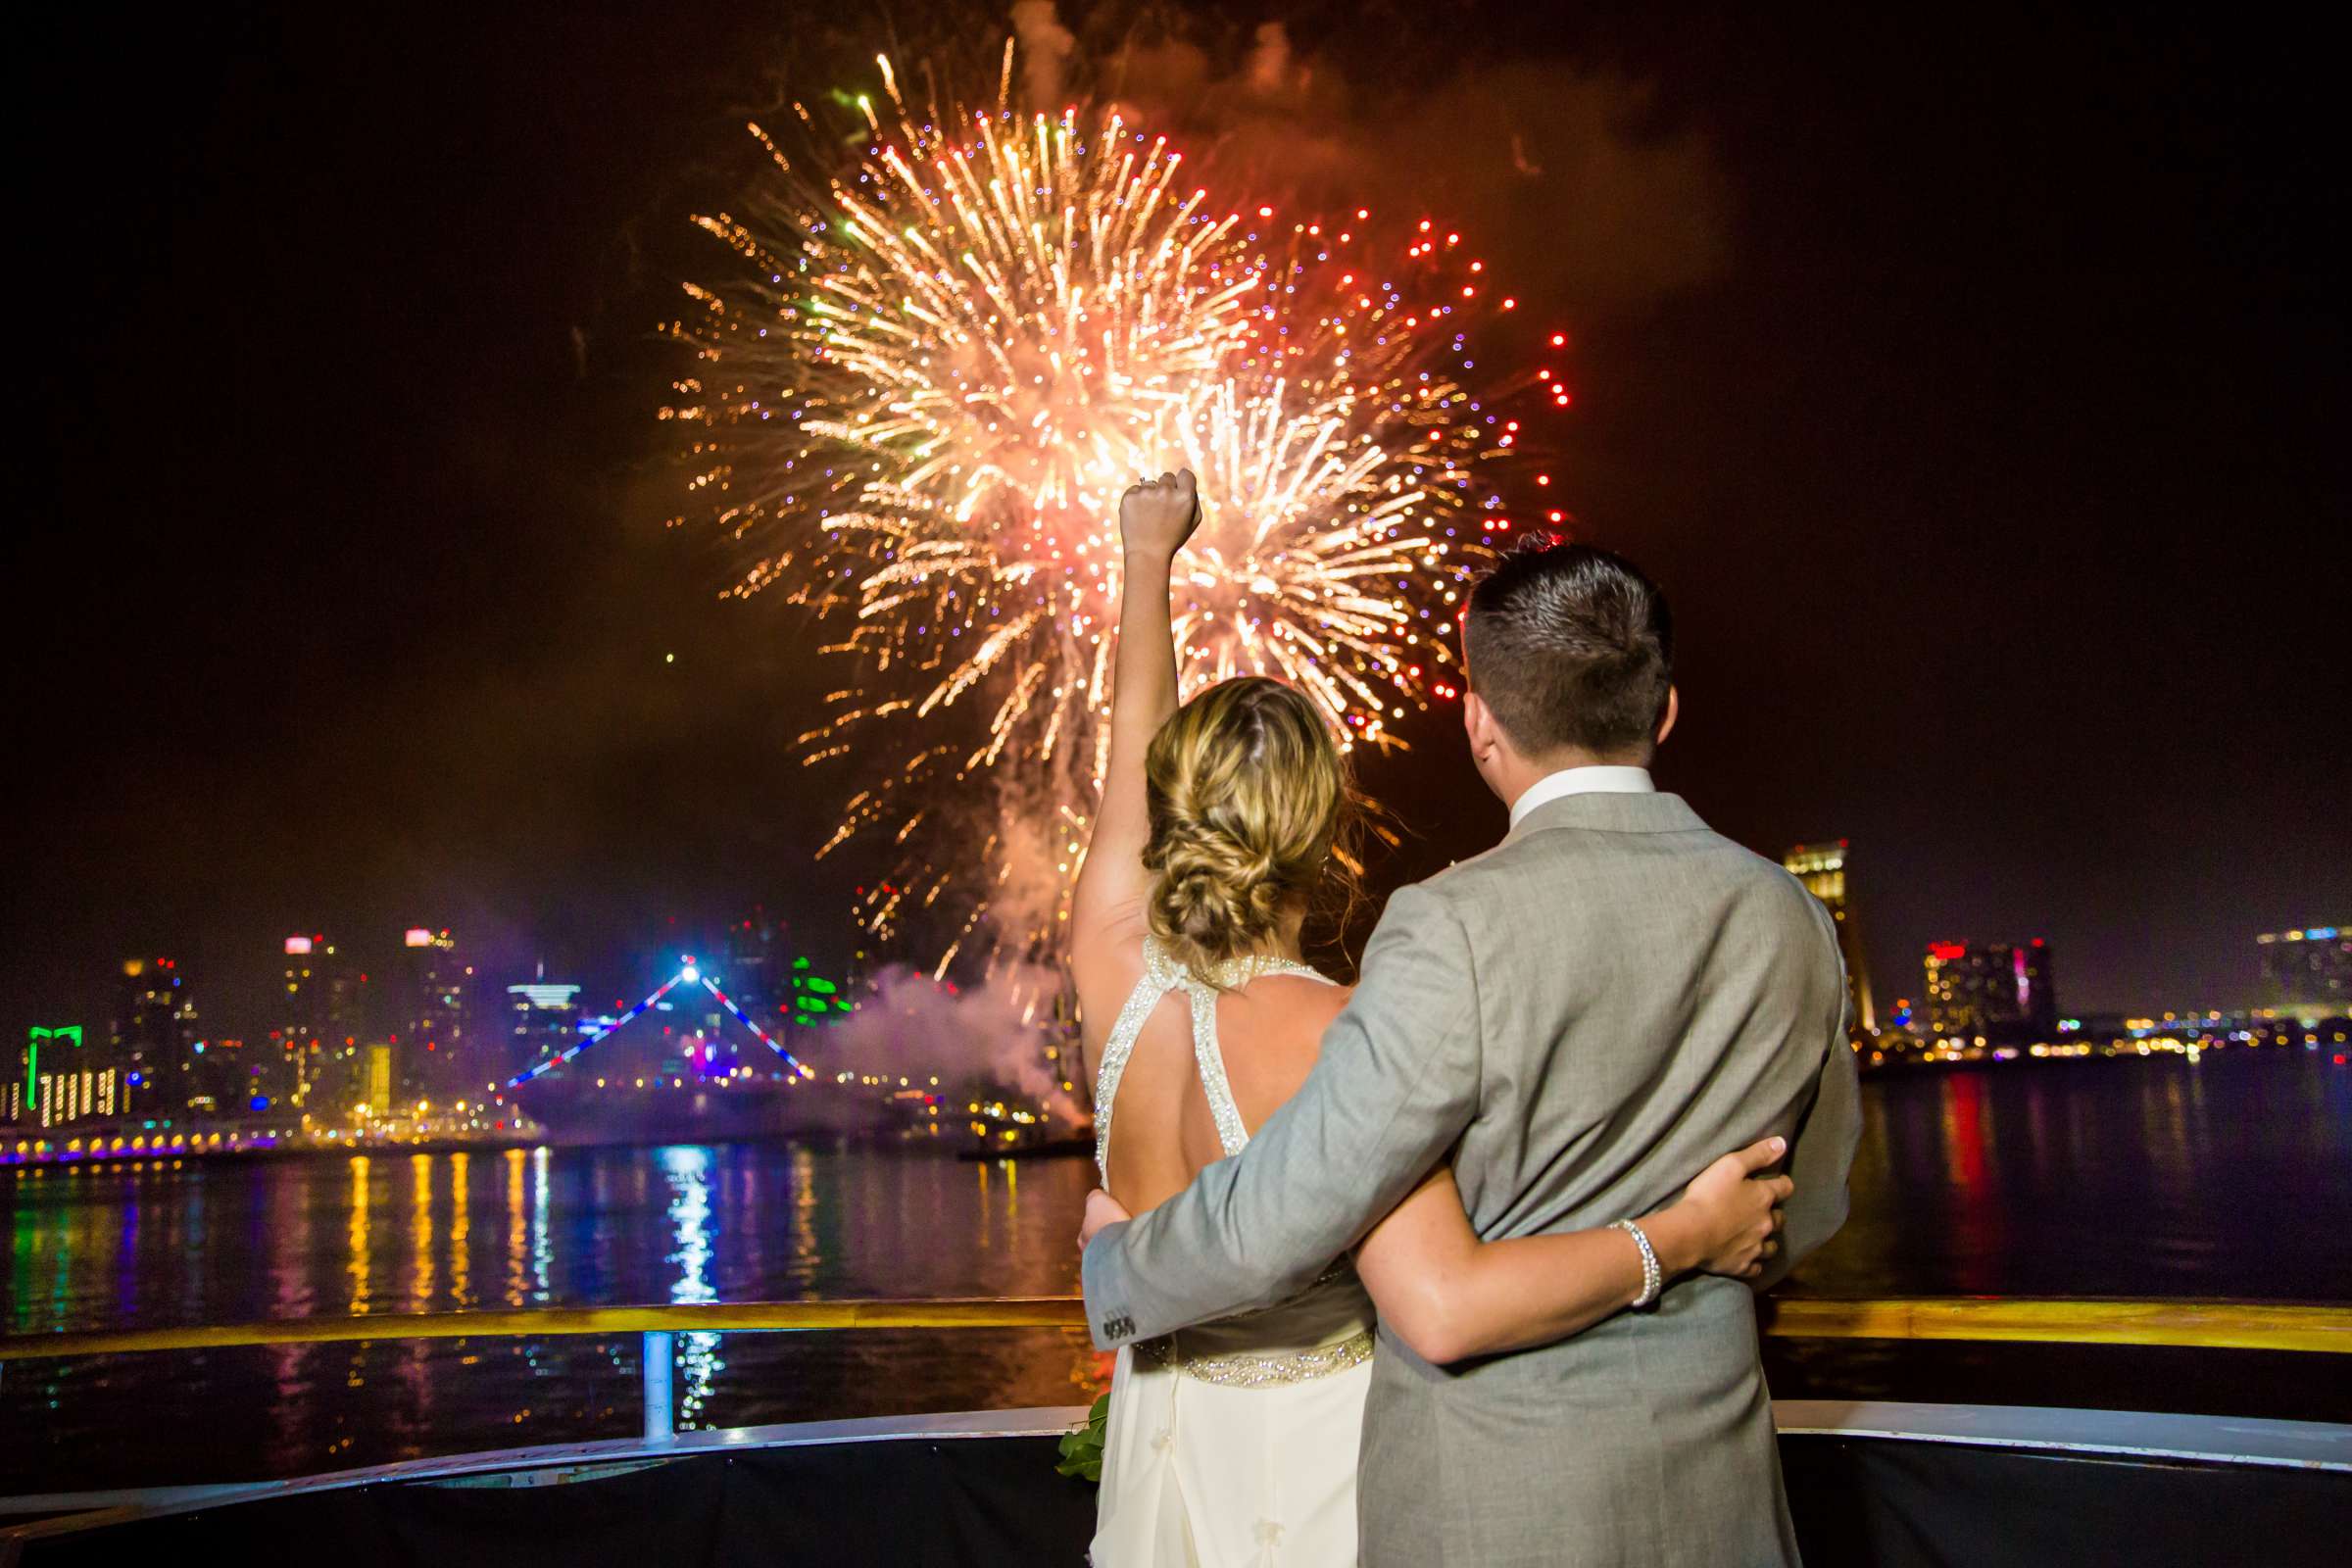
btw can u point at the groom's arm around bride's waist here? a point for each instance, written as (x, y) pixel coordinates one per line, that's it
(1396, 1083)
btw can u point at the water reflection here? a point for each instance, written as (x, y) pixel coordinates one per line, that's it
(357, 1236)
(127, 1249)
(985, 1236)
(422, 1272)
(461, 1272)
(2039, 1139)
(2099, 1179)
(687, 1169)
(805, 1250)
(542, 1250)
(1966, 1131)
(24, 1246)
(517, 1221)
(277, 1219)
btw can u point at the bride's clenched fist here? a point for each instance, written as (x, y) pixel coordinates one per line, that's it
(1157, 515)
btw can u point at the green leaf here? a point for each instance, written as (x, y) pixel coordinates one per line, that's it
(1082, 1446)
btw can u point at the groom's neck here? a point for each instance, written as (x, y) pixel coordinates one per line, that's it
(1515, 775)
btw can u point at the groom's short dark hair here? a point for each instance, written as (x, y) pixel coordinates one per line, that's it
(1572, 647)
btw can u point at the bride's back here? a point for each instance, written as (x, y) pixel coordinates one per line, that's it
(1165, 1130)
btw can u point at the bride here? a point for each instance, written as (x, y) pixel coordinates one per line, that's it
(1235, 1442)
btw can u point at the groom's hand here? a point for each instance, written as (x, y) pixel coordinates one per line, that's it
(1101, 1209)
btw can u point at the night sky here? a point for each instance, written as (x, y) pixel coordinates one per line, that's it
(1975, 387)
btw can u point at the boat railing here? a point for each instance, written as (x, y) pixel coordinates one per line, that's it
(2094, 1321)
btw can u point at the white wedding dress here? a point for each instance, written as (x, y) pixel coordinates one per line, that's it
(1231, 1444)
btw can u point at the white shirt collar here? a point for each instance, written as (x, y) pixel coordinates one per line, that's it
(1595, 780)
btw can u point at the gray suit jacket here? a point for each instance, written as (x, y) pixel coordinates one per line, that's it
(1580, 1018)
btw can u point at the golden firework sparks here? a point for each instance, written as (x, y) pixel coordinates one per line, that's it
(945, 357)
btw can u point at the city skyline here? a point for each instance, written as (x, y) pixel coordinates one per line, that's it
(368, 1029)
(379, 1026)
(399, 965)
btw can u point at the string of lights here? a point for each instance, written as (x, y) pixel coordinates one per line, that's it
(688, 974)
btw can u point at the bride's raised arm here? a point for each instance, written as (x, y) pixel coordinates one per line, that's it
(1452, 1297)
(1106, 907)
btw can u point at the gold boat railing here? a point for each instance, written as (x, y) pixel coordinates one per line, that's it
(2111, 1321)
(2115, 1320)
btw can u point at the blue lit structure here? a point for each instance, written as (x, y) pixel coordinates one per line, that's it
(689, 974)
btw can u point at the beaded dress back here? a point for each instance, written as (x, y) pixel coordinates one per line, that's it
(1161, 975)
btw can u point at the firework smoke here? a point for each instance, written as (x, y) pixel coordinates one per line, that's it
(998, 1033)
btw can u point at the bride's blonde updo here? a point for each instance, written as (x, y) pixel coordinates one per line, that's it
(1247, 795)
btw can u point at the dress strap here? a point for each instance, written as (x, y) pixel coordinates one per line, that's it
(1209, 1057)
(1208, 1054)
(1161, 976)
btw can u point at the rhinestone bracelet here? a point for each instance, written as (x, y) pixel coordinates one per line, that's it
(1652, 1278)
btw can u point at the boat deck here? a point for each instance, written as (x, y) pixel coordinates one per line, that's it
(1869, 1481)
(1892, 1485)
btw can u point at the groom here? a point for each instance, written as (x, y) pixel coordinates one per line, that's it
(1577, 1019)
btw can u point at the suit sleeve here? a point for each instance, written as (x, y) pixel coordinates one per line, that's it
(1393, 1087)
(1821, 1148)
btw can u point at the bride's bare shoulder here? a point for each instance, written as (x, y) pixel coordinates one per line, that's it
(1279, 1035)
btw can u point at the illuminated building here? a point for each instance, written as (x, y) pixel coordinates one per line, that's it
(1821, 868)
(1995, 992)
(776, 985)
(543, 1018)
(375, 1094)
(223, 1080)
(59, 1083)
(296, 1036)
(433, 1060)
(149, 1038)
(754, 956)
(318, 1040)
(2307, 972)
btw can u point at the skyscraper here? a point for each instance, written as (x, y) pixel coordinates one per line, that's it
(149, 1039)
(319, 1037)
(296, 1036)
(544, 1018)
(1820, 867)
(754, 956)
(223, 1078)
(2307, 971)
(375, 1087)
(1999, 992)
(432, 1056)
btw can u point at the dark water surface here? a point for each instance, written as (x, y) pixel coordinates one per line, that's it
(2228, 1177)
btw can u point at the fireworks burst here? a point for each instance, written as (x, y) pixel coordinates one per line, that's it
(949, 354)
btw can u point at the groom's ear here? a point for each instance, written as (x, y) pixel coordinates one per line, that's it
(1478, 722)
(1674, 710)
